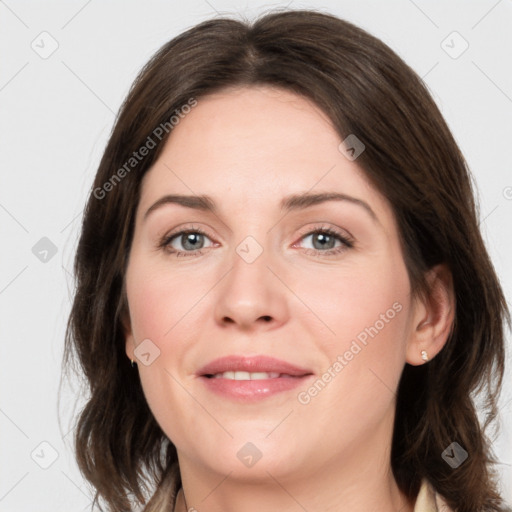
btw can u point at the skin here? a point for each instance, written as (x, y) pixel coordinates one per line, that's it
(247, 148)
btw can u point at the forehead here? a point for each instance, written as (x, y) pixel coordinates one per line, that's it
(255, 145)
(259, 122)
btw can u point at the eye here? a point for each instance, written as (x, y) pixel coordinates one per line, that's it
(327, 241)
(185, 243)
(190, 242)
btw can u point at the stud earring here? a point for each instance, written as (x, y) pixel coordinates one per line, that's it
(424, 355)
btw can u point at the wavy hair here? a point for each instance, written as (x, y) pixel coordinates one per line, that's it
(410, 157)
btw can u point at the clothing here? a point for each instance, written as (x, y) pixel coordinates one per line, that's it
(428, 500)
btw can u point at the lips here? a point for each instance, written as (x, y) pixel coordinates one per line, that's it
(251, 379)
(252, 364)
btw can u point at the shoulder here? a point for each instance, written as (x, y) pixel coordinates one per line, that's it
(428, 500)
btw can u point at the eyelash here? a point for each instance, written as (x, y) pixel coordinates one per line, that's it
(347, 242)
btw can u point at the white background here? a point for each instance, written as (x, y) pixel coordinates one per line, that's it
(56, 115)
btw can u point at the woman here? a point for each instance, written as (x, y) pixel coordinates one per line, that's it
(282, 238)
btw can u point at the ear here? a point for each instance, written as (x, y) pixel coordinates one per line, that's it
(433, 317)
(126, 324)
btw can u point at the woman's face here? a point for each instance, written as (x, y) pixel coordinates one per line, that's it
(258, 275)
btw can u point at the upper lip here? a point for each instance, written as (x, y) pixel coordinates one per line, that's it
(251, 364)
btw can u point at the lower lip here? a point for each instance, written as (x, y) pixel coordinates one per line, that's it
(249, 390)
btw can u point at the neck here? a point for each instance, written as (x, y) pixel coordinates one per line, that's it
(355, 485)
(389, 494)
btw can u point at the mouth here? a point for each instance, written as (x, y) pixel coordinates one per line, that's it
(241, 367)
(241, 375)
(251, 378)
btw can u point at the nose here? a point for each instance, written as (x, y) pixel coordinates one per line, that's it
(251, 297)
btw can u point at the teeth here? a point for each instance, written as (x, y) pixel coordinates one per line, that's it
(247, 375)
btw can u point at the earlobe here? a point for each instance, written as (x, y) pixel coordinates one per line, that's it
(434, 317)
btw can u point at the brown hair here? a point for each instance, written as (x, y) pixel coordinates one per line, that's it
(412, 159)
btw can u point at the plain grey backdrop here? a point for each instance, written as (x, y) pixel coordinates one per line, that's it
(65, 68)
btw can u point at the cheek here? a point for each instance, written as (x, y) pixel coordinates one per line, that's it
(150, 308)
(160, 301)
(350, 300)
(375, 308)
(366, 311)
(367, 308)
(160, 311)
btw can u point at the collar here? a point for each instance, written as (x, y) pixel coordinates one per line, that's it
(428, 500)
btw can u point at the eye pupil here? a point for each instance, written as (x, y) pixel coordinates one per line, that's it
(324, 240)
(190, 238)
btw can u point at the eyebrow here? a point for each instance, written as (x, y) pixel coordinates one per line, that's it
(289, 203)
